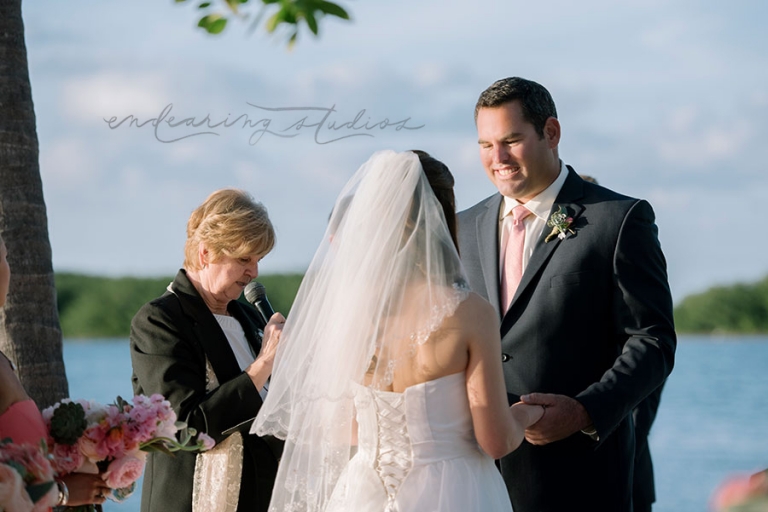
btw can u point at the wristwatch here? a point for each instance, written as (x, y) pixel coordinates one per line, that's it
(591, 431)
(63, 493)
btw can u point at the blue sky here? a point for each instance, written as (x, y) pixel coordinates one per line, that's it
(660, 100)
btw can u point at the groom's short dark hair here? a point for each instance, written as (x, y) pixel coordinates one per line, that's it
(536, 102)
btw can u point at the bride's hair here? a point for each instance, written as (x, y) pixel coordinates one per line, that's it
(441, 181)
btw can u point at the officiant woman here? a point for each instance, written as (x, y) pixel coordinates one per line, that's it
(203, 350)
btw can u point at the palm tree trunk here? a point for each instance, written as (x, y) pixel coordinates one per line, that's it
(29, 323)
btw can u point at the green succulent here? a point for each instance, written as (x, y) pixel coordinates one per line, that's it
(68, 423)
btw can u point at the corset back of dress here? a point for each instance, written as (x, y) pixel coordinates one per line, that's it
(394, 456)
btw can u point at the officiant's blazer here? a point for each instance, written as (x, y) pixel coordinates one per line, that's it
(171, 337)
(591, 319)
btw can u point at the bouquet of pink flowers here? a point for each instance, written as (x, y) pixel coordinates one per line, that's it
(114, 439)
(26, 478)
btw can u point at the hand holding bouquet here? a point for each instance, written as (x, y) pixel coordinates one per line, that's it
(113, 440)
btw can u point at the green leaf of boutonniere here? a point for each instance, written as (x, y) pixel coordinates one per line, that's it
(560, 223)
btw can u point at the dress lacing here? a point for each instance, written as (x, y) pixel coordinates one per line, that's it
(394, 457)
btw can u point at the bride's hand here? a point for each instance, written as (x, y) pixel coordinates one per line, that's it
(260, 370)
(564, 416)
(526, 414)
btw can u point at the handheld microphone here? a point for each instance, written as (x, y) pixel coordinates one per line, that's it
(257, 295)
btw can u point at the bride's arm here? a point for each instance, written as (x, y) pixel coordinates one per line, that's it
(499, 428)
(355, 426)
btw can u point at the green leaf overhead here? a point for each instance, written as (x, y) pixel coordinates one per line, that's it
(286, 17)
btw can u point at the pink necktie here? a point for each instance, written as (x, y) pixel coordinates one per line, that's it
(512, 253)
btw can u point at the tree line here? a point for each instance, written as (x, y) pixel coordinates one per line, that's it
(102, 307)
(735, 309)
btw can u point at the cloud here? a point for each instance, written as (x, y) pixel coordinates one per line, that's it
(67, 163)
(705, 147)
(91, 98)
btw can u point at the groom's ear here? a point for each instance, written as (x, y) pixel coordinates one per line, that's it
(552, 132)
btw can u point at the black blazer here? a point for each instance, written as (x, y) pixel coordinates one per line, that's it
(591, 319)
(644, 489)
(170, 339)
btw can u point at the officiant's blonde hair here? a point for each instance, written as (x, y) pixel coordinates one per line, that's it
(230, 223)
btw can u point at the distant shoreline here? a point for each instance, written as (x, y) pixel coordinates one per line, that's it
(93, 307)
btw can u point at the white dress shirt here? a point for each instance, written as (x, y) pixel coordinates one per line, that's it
(539, 206)
(239, 344)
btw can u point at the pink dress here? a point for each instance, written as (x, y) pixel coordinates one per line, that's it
(23, 423)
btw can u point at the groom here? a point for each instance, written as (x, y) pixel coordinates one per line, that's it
(585, 307)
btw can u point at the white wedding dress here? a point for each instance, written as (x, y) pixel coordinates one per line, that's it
(417, 452)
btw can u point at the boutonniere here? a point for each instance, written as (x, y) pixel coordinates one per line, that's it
(560, 223)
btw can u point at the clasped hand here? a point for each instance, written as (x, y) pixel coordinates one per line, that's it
(563, 416)
(260, 370)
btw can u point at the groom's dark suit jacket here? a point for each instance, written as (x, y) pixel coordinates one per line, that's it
(591, 319)
(171, 337)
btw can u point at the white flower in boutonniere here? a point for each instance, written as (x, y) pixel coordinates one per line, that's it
(560, 223)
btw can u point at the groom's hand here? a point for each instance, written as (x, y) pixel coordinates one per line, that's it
(563, 416)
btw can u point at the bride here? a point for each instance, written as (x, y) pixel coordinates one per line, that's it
(388, 387)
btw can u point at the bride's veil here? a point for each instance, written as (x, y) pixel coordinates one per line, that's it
(385, 276)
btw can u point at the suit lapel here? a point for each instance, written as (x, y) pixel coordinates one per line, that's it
(571, 192)
(211, 337)
(488, 246)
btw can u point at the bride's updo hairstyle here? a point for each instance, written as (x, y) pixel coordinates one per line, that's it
(441, 181)
(230, 223)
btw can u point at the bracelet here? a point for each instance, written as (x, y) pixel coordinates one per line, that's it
(591, 432)
(63, 493)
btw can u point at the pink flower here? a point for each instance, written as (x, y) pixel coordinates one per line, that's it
(141, 414)
(141, 432)
(67, 459)
(141, 401)
(37, 468)
(206, 440)
(13, 495)
(113, 442)
(739, 490)
(124, 471)
(91, 444)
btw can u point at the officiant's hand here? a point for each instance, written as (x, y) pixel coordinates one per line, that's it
(563, 416)
(261, 368)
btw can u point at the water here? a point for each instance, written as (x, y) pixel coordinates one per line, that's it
(711, 423)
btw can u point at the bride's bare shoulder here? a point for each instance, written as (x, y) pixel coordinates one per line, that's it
(477, 309)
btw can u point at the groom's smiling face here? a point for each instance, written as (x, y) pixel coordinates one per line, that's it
(519, 161)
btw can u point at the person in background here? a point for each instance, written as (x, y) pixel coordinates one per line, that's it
(21, 421)
(577, 276)
(203, 350)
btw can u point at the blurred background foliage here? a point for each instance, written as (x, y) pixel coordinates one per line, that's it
(102, 307)
(736, 309)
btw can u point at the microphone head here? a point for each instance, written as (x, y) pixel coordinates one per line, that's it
(254, 291)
